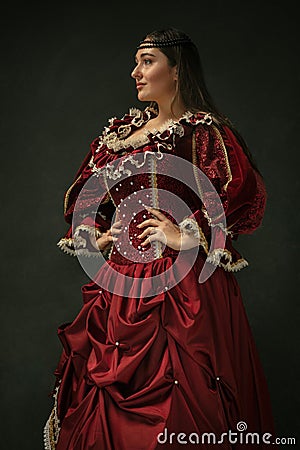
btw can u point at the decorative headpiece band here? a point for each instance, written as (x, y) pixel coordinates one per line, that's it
(165, 43)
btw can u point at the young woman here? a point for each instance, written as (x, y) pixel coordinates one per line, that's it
(161, 354)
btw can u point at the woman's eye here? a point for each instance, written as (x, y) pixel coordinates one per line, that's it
(147, 61)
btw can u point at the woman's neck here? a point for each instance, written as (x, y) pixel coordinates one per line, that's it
(170, 111)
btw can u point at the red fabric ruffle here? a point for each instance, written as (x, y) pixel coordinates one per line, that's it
(183, 359)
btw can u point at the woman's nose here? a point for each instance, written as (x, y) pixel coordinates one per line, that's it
(135, 73)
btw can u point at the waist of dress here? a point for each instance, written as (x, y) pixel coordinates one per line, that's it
(131, 252)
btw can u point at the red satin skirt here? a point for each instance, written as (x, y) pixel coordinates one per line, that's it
(173, 370)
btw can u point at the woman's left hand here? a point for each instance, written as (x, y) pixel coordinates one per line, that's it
(160, 229)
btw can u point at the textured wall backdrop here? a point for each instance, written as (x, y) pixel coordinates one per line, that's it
(65, 72)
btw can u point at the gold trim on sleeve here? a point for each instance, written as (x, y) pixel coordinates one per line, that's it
(195, 164)
(229, 174)
(68, 194)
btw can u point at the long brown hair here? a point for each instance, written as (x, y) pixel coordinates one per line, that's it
(191, 83)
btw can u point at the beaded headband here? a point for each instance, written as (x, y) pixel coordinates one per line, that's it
(165, 43)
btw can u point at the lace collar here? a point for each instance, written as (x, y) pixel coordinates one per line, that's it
(118, 137)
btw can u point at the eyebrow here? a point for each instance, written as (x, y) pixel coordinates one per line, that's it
(144, 54)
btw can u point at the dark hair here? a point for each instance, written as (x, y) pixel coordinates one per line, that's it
(191, 83)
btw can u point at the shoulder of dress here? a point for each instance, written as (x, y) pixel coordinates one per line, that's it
(198, 118)
(207, 125)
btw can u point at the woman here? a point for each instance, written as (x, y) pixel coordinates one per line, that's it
(162, 354)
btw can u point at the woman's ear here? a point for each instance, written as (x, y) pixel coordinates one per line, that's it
(175, 73)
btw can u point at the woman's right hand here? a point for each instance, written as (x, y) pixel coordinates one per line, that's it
(109, 236)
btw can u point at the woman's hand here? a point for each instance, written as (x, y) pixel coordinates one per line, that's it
(163, 230)
(109, 236)
(160, 229)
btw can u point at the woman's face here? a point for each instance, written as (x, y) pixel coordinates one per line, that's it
(155, 79)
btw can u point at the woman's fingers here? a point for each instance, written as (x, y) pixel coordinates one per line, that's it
(103, 241)
(157, 235)
(151, 222)
(116, 228)
(156, 212)
(117, 224)
(115, 231)
(149, 230)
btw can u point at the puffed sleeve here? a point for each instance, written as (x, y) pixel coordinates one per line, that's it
(88, 208)
(240, 191)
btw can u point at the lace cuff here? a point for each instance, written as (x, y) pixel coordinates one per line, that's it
(227, 258)
(190, 227)
(83, 242)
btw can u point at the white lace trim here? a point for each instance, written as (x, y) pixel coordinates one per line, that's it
(71, 245)
(215, 256)
(92, 231)
(113, 142)
(115, 173)
(67, 246)
(190, 226)
(120, 139)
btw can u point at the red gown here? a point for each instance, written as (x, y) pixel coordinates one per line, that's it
(153, 352)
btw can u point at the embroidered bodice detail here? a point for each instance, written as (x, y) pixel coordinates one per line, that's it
(115, 159)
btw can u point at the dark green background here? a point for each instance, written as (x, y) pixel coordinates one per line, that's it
(65, 71)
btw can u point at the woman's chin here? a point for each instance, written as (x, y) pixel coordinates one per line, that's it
(143, 98)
